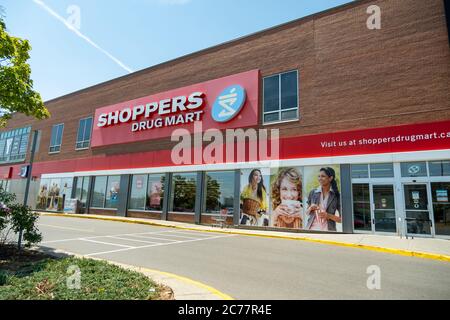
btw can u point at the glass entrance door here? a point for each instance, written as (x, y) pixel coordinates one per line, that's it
(417, 209)
(384, 208)
(440, 194)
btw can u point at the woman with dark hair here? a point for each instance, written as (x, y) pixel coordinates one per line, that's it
(253, 200)
(324, 202)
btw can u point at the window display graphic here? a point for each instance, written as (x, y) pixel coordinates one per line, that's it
(53, 193)
(254, 198)
(286, 198)
(323, 199)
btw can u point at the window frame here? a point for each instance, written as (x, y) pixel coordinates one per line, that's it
(19, 137)
(104, 207)
(148, 177)
(205, 191)
(82, 142)
(50, 151)
(280, 111)
(171, 198)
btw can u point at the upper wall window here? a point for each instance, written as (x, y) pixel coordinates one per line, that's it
(281, 97)
(56, 138)
(14, 145)
(84, 133)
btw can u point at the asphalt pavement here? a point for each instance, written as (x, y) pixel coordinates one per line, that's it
(248, 267)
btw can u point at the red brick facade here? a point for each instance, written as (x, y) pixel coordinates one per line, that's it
(350, 77)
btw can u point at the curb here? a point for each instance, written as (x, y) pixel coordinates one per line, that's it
(208, 292)
(402, 252)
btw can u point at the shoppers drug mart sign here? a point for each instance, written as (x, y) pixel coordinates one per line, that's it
(225, 103)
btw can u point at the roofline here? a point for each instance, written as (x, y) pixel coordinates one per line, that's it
(213, 48)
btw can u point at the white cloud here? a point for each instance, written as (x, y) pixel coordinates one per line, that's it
(82, 36)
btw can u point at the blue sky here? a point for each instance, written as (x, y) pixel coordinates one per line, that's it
(133, 34)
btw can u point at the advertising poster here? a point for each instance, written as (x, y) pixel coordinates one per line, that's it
(322, 214)
(286, 196)
(254, 197)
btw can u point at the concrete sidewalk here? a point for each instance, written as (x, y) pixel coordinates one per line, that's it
(429, 248)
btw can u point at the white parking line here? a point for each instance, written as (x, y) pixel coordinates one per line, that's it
(102, 236)
(151, 237)
(107, 243)
(66, 228)
(135, 240)
(155, 245)
(184, 237)
(194, 233)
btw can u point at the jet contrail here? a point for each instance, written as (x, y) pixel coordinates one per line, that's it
(82, 36)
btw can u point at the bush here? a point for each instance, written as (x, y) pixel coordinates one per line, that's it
(3, 278)
(17, 218)
(48, 280)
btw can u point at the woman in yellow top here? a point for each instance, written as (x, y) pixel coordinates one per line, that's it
(254, 201)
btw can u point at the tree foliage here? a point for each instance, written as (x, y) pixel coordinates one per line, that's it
(16, 86)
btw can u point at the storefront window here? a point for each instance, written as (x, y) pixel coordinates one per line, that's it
(155, 192)
(439, 168)
(219, 193)
(384, 208)
(183, 192)
(66, 191)
(361, 207)
(42, 199)
(85, 189)
(82, 190)
(98, 196)
(382, 170)
(4, 184)
(360, 171)
(112, 192)
(414, 169)
(441, 207)
(138, 192)
(53, 194)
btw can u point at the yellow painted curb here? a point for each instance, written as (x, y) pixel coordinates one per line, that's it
(193, 282)
(408, 253)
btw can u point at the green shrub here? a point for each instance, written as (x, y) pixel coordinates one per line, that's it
(17, 218)
(3, 278)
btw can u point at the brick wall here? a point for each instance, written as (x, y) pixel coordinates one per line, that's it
(350, 77)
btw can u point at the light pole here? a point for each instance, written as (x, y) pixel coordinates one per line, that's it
(29, 176)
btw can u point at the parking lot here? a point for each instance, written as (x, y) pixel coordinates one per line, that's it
(250, 267)
(105, 244)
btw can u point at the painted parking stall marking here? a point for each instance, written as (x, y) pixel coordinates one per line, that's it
(136, 241)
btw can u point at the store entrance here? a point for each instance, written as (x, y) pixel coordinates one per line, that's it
(374, 208)
(418, 212)
(383, 212)
(440, 192)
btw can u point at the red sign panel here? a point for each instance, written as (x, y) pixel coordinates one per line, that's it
(405, 138)
(6, 172)
(157, 116)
